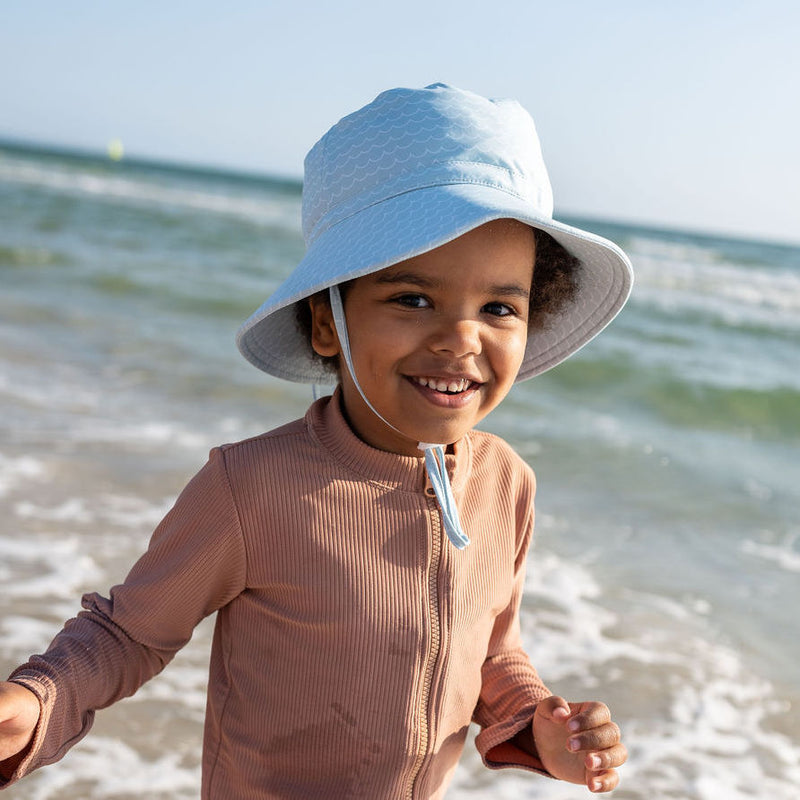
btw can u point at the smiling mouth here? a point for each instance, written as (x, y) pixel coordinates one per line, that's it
(445, 386)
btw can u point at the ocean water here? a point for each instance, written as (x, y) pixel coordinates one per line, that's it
(665, 576)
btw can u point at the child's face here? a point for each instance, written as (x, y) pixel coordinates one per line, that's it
(436, 340)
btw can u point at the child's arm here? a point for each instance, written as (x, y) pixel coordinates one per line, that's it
(523, 724)
(576, 742)
(195, 565)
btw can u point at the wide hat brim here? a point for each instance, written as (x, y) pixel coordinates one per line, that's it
(415, 222)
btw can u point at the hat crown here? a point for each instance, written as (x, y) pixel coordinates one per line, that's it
(409, 139)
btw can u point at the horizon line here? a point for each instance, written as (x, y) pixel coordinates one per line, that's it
(176, 164)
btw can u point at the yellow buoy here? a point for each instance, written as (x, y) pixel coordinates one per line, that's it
(116, 150)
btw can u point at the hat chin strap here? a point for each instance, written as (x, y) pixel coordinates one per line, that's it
(434, 453)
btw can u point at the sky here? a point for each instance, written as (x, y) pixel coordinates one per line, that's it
(682, 115)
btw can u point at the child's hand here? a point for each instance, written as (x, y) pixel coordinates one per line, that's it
(578, 742)
(19, 715)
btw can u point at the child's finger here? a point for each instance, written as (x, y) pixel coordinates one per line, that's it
(590, 715)
(603, 782)
(600, 738)
(609, 758)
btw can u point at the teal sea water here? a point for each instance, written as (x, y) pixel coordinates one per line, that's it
(665, 577)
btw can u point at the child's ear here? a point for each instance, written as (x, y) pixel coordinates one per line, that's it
(323, 331)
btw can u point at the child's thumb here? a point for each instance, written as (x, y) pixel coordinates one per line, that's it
(554, 708)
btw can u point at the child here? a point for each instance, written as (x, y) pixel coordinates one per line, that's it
(366, 562)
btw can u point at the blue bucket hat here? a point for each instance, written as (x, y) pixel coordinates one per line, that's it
(409, 172)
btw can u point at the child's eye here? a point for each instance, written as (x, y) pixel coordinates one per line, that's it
(499, 309)
(412, 300)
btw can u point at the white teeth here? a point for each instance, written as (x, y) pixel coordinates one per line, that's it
(454, 386)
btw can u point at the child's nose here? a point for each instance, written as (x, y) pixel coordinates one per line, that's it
(458, 337)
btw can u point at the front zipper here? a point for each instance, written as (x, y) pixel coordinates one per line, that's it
(435, 646)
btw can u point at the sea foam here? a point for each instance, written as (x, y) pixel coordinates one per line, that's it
(710, 732)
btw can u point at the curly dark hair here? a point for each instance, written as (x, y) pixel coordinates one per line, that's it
(555, 282)
(555, 279)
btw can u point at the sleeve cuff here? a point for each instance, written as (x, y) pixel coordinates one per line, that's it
(498, 751)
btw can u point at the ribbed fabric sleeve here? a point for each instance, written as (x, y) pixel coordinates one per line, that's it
(511, 687)
(353, 644)
(193, 566)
